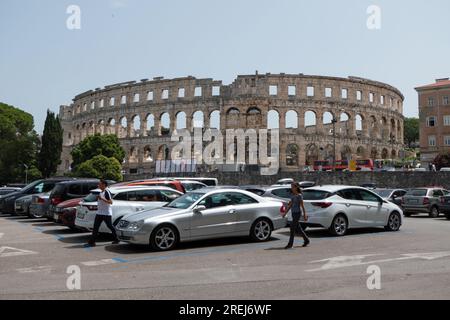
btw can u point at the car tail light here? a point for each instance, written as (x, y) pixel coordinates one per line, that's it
(426, 200)
(40, 200)
(322, 204)
(56, 201)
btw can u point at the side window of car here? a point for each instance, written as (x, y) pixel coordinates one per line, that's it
(216, 200)
(282, 193)
(168, 196)
(241, 199)
(367, 196)
(88, 187)
(147, 195)
(438, 193)
(122, 196)
(48, 187)
(38, 188)
(348, 194)
(132, 196)
(75, 190)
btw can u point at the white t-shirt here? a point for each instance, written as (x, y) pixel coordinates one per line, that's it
(104, 208)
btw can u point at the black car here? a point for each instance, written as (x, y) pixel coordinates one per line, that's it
(38, 186)
(444, 206)
(68, 190)
(8, 190)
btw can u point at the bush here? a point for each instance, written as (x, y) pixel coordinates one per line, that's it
(100, 167)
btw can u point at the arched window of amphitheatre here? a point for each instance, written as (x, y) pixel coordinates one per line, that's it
(101, 127)
(232, 118)
(273, 120)
(373, 127)
(165, 124)
(312, 154)
(384, 128)
(346, 153)
(393, 154)
(327, 121)
(374, 153)
(181, 120)
(214, 120)
(399, 130)
(358, 123)
(150, 123)
(291, 120)
(393, 131)
(198, 119)
(148, 157)
(163, 153)
(111, 126)
(136, 132)
(123, 127)
(292, 155)
(253, 118)
(384, 154)
(361, 153)
(133, 156)
(328, 152)
(344, 124)
(310, 119)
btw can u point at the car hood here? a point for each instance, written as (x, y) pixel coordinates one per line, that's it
(152, 213)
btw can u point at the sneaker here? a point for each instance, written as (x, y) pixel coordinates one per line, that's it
(307, 242)
(288, 247)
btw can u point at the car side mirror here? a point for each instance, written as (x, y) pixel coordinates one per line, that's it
(199, 209)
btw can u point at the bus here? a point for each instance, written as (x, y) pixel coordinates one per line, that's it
(341, 165)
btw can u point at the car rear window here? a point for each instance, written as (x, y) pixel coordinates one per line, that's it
(58, 190)
(417, 192)
(315, 194)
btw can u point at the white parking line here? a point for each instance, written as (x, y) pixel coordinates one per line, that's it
(14, 252)
(43, 269)
(1, 235)
(99, 262)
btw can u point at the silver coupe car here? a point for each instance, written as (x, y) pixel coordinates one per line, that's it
(203, 214)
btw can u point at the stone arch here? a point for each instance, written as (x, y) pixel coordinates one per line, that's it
(327, 117)
(198, 119)
(163, 153)
(327, 152)
(374, 153)
(292, 154)
(101, 127)
(312, 154)
(214, 119)
(394, 154)
(384, 128)
(181, 120)
(273, 119)
(133, 156)
(150, 119)
(253, 118)
(148, 155)
(344, 124)
(123, 127)
(291, 119)
(164, 124)
(346, 153)
(136, 128)
(373, 127)
(361, 153)
(310, 118)
(111, 126)
(359, 123)
(384, 154)
(393, 130)
(232, 118)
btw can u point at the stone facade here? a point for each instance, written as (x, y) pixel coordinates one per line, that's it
(144, 114)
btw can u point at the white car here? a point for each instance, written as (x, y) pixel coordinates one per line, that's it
(339, 208)
(126, 200)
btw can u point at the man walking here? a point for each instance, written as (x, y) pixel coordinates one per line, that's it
(104, 213)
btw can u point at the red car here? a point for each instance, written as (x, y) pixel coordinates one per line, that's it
(65, 213)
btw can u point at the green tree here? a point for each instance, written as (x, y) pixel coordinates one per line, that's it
(51, 146)
(442, 161)
(19, 143)
(411, 131)
(92, 146)
(100, 167)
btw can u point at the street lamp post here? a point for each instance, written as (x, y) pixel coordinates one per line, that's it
(334, 121)
(26, 173)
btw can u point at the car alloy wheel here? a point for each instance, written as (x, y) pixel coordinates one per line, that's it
(393, 222)
(339, 225)
(261, 230)
(164, 238)
(434, 212)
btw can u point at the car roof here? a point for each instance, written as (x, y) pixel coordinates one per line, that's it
(334, 188)
(136, 188)
(79, 181)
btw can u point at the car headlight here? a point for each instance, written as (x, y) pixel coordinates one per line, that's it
(136, 225)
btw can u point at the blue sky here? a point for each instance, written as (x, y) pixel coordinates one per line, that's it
(44, 65)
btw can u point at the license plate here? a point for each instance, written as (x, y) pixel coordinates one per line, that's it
(413, 201)
(19, 207)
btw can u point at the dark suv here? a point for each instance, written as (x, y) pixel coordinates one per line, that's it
(39, 186)
(68, 190)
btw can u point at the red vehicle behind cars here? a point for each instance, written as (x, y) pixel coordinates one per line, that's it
(173, 184)
(341, 165)
(65, 212)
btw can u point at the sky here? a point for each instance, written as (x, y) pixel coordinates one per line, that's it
(43, 64)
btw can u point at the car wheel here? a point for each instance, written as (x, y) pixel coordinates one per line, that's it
(339, 226)
(164, 238)
(434, 213)
(394, 222)
(261, 230)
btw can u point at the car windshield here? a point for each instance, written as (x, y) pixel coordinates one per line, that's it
(315, 194)
(185, 201)
(417, 192)
(92, 197)
(383, 193)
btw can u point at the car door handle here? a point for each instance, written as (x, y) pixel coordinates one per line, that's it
(232, 211)
(348, 204)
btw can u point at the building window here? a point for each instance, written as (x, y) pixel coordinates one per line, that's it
(310, 91)
(447, 121)
(198, 92)
(382, 100)
(181, 93)
(85, 107)
(447, 141)
(136, 97)
(102, 103)
(344, 93)
(150, 96)
(371, 97)
(445, 101)
(292, 90)
(273, 90)
(123, 100)
(112, 102)
(392, 103)
(165, 94)
(432, 141)
(92, 105)
(328, 92)
(359, 95)
(431, 121)
(216, 91)
(431, 102)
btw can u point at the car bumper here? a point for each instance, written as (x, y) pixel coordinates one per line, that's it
(315, 221)
(134, 237)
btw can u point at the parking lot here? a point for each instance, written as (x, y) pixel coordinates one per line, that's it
(414, 263)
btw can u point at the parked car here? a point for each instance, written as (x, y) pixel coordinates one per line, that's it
(7, 202)
(210, 182)
(203, 214)
(22, 205)
(287, 181)
(340, 208)
(65, 213)
(369, 185)
(170, 183)
(392, 195)
(444, 206)
(125, 200)
(190, 185)
(445, 170)
(39, 205)
(423, 200)
(68, 190)
(8, 190)
(282, 193)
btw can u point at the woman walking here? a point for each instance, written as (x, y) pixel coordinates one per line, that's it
(297, 207)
